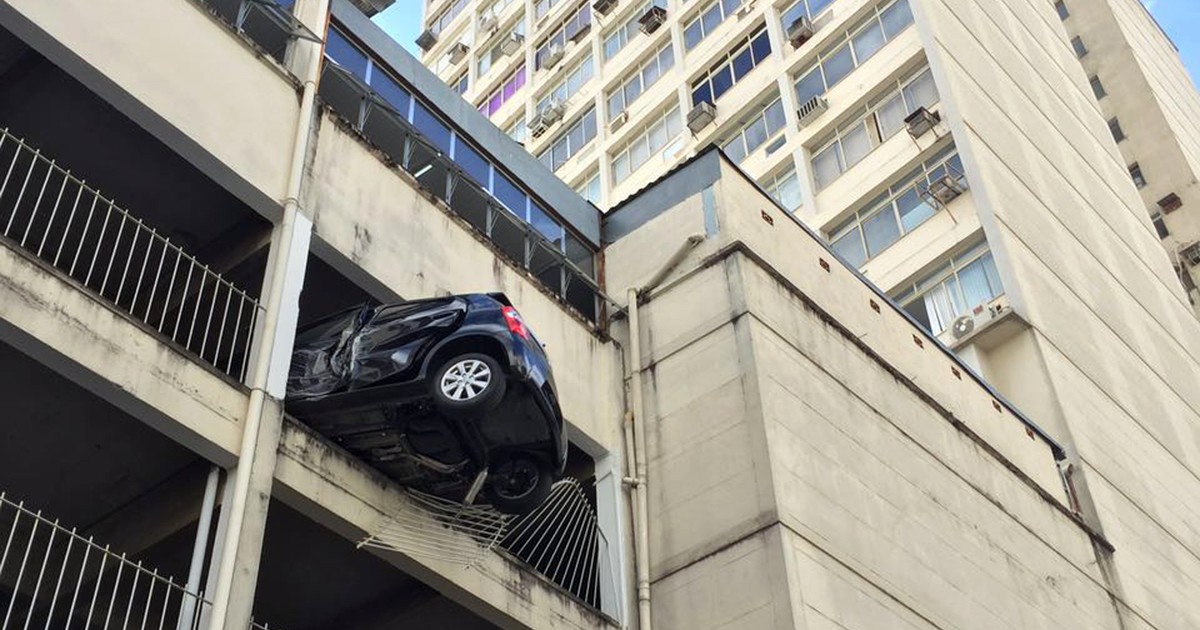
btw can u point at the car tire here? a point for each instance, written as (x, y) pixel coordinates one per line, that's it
(519, 485)
(468, 385)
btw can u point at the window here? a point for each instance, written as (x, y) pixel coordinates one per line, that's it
(852, 48)
(1135, 171)
(762, 126)
(1170, 203)
(803, 8)
(896, 212)
(542, 7)
(1081, 50)
(568, 85)
(495, 54)
(784, 187)
(517, 130)
(731, 68)
(1160, 223)
(1098, 88)
(1114, 125)
(571, 26)
(956, 289)
(615, 41)
(571, 141)
(590, 188)
(507, 90)
(883, 119)
(647, 75)
(646, 144)
(461, 84)
(1061, 7)
(439, 23)
(709, 18)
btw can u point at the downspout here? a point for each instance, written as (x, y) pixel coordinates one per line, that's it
(636, 417)
(261, 370)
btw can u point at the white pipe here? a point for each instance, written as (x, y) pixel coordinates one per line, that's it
(199, 548)
(274, 304)
(637, 415)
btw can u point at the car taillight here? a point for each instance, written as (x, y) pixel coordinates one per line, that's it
(515, 323)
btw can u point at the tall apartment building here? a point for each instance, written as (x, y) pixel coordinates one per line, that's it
(1151, 105)
(761, 436)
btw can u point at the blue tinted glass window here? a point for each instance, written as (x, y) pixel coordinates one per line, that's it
(742, 64)
(838, 65)
(868, 42)
(722, 80)
(471, 162)
(545, 225)
(344, 54)
(761, 47)
(711, 19)
(692, 35)
(391, 92)
(896, 18)
(429, 126)
(702, 93)
(509, 195)
(810, 85)
(817, 6)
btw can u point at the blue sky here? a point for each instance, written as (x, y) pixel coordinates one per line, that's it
(1180, 18)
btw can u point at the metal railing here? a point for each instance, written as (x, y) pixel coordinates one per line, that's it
(55, 578)
(57, 217)
(269, 24)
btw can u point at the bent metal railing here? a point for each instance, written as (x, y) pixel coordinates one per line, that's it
(53, 215)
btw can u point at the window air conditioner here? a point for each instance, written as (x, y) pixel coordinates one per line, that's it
(921, 122)
(653, 18)
(487, 24)
(701, 116)
(943, 190)
(1190, 254)
(458, 52)
(553, 56)
(619, 121)
(811, 110)
(552, 113)
(537, 127)
(603, 6)
(800, 31)
(427, 39)
(512, 44)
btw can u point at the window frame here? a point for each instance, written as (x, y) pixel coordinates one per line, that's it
(726, 62)
(639, 75)
(565, 136)
(847, 39)
(627, 148)
(951, 268)
(760, 114)
(724, 8)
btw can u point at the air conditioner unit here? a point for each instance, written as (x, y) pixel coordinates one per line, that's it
(921, 122)
(603, 6)
(943, 190)
(583, 31)
(962, 326)
(427, 39)
(653, 18)
(553, 56)
(619, 121)
(800, 31)
(537, 127)
(488, 24)
(1190, 254)
(458, 52)
(811, 110)
(512, 44)
(746, 9)
(701, 116)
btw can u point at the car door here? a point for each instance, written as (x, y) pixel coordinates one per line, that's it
(389, 348)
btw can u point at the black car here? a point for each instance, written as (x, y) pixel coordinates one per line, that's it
(449, 395)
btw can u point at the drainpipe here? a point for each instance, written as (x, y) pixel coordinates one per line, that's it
(261, 377)
(199, 548)
(637, 418)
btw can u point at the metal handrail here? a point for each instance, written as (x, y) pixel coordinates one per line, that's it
(60, 219)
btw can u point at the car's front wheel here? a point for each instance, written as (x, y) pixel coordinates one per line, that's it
(518, 485)
(468, 385)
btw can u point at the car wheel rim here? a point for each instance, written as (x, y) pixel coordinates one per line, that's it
(516, 480)
(466, 380)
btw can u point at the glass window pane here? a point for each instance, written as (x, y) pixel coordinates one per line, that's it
(795, 11)
(838, 65)
(850, 248)
(730, 6)
(917, 309)
(545, 225)
(735, 149)
(621, 167)
(913, 210)
(761, 46)
(391, 92)
(775, 118)
(922, 92)
(674, 123)
(742, 64)
(650, 74)
(691, 35)
(711, 19)
(432, 128)
(658, 136)
(722, 80)
(756, 134)
(472, 162)
(896, 18)
(810, 85)
(702, 93)
(856, 144)
(345, 54)
(817, 6)
(633, 89)
(868, 42)
(789, 192)
(639, 153)
(975, 287)
(881, 231)
(891, 116)
(666, 59)
(509, 195)
(827, 165)
(616, 103)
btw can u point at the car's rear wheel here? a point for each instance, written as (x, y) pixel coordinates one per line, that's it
(518, 485)
(468, 385)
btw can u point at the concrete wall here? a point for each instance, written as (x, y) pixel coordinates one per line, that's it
(1081, 264)
(812, 466)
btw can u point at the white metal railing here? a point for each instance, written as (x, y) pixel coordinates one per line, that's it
(53, 577)
(57, 217)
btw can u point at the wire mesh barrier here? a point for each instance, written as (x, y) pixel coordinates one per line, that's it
(52, 577)
(48, 212)
(560, 539)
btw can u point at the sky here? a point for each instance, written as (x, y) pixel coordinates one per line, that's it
(1179, 18)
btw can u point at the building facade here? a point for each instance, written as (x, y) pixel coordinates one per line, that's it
(990, 422)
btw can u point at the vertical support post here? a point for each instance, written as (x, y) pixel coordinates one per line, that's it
(187, 614)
